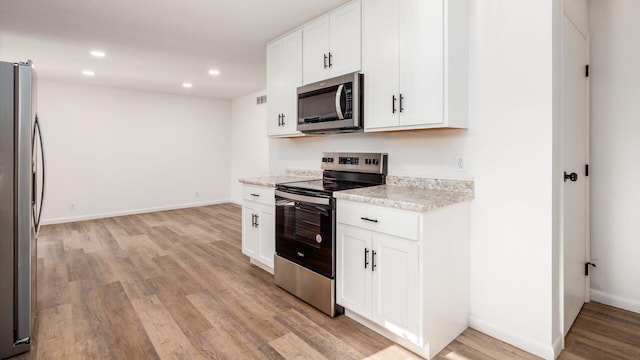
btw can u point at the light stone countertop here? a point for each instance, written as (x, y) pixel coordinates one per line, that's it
(413, 194)
(292, 175)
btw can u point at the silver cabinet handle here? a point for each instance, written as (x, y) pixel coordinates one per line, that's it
(325, 61)
(366, 257)
(330, 57)
(282, 119)
(370, 220)
(401, 107)
(393, 104)
(257, 223)
(256, 195)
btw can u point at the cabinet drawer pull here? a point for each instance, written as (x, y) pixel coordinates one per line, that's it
(330, 57)
(325, 61)
(370, 220)
(256, 195)
(282, 119)
(393, 104)
(300, 254)
(373, 260)
(401, 107)
(366, 257)
(279, 119)
(257, 224)
(253, 220)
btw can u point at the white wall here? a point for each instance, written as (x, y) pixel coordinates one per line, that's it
(249, 142)
(512, 141)
(423, 153)
(615, 130)
(511, 153)
(112, 151)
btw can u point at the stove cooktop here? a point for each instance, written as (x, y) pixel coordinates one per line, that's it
(325, 186)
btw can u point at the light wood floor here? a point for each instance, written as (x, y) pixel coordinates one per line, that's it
(175, 285)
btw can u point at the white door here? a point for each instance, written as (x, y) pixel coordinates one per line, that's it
(315, 50)
(292, 51)
(380, 64)
(421, 53)
(275, 86)
(353, 269)
(250, 234)
(395, 285)
(575, 100)
(345, 40)
(266, 225)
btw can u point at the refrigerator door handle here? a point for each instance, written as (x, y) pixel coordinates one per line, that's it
(37, 209)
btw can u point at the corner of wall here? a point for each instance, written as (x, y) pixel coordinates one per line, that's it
(547, 352)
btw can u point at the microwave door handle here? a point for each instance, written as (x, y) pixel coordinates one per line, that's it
(338, 107)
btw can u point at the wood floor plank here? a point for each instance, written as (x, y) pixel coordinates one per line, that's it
(167, 337)
(55, 337)
(292, 347)
(174, 284)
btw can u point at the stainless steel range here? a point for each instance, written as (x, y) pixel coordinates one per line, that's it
(305, 261)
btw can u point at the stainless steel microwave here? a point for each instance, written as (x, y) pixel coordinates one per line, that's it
(331, 106)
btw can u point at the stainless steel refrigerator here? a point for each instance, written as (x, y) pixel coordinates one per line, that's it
(21, 195)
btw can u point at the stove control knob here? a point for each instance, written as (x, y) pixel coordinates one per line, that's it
(330, 159)
(367, 161)
(374, 161)
(324, 159)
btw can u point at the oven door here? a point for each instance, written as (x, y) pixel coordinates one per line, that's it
(305, 230)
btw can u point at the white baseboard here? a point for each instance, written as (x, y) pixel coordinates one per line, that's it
(616, 301)
(85, 217)
(558, 345)
(547, 352)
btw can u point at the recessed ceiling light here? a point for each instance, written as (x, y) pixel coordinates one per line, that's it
(98, 53)
(214, 72)
(187, 85)
(88, 73)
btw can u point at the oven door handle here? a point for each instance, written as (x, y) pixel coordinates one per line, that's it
(338, 106)
(303, 198)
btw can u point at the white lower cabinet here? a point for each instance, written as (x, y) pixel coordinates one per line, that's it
(378, 278)
(258, 225)
(412, 288)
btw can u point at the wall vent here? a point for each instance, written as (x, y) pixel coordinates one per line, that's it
(261, 100)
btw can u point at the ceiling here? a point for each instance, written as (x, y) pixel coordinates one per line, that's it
(153, 45)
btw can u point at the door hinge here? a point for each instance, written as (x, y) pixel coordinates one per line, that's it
(586, 268)
(586, 70)
(586, 169)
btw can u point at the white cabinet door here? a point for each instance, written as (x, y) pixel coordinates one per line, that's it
(275, 86)
(345, 40)
(396, 285)
(421, 54)
(315, 50)
(266, 226)
(284, 76)
(353, 269)
(292, 54)
(250, 233)
(380, 62)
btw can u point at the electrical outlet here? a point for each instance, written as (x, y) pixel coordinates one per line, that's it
(460, 163)
(72, 207)
(197, 195)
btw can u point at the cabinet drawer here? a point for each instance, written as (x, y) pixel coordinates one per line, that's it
(259, 194)
(400, 223)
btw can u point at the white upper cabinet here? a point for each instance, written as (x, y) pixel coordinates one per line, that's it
(332, 43)
(414, 57)
(284, 76)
